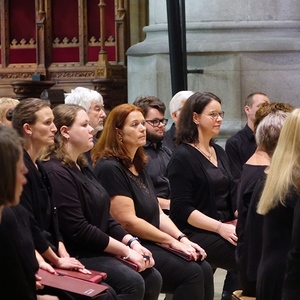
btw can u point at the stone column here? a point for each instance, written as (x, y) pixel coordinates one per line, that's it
(243, 46)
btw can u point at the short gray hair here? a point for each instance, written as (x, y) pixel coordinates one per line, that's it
(84, 97)
(175, 103)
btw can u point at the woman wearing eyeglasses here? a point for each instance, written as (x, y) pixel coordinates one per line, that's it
(201, 185)
(121, 170)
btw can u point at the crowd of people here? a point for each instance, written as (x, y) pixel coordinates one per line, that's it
(84, 189)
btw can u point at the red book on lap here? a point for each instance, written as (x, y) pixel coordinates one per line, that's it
(71, 284)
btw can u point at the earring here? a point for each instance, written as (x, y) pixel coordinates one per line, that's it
(197, 123)
(120, 139)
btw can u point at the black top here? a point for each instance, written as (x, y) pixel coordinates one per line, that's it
(18, 263)
(158, 158)
(37, 199)
(192, 186)
(277, 230)
(249, 177)
(250, 251)
(239, 148)
(170, 138)
(118, 180)
(83, 209)
(291, 286)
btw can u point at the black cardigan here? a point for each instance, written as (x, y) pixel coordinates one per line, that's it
(191, 186)
(37, 199)
(83, 209)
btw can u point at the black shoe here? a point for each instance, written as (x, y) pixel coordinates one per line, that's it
(226, 295)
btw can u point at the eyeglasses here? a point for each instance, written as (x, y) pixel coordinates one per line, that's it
(215, 114)
(156, 122)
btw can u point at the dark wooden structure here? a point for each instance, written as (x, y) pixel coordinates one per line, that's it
(69, 43)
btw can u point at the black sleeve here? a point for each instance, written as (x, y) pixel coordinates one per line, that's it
(291, 286)
(112, 177)
(14, 283)
(234, 157)
(182, 186)
(26, 200)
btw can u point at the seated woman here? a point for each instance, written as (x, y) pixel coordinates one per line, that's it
(33, 120)
(89, 232)
(202, 185)
(277, 202)
(272, 117)
(18, 263)
(120, 168)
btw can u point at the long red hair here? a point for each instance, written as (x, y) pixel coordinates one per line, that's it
(109, 144)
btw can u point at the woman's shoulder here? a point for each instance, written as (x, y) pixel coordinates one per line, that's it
(182, 150)
(106, 164)
(55, 165)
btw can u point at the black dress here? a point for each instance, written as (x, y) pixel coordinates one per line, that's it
(18, 263)
(37, 199)
(196, 184)
(291, 286)
(249, 177)
(185, 280)
(277, 231)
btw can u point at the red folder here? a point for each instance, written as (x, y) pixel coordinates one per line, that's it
(95, 276)
(233, 222)
(71, 284)
(181, 254)
(128, 263)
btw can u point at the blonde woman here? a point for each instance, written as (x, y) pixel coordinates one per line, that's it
(6, 107)
(280, 194)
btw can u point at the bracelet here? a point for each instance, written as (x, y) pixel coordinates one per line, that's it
(218, 227)
(132, 240)
(181, 236)
(128, 256)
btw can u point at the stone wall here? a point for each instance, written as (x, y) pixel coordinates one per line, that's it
(243, 46)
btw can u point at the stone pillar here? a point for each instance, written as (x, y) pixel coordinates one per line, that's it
(243, 46)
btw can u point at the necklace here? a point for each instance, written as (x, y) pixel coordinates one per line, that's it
(265, 156)
(207, 156)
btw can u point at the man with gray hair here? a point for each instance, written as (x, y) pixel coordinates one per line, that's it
(92, 102)
(175, 106)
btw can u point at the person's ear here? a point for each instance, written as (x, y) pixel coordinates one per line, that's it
(64, 131)
(27, 129)
(119, 134)
(175, 116)
(196, 118)
(247, 109)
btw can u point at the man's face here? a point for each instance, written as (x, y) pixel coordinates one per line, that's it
(154, 134)
(258, 100)
(96, 115)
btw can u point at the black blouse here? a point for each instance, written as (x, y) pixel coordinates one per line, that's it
(118, 180)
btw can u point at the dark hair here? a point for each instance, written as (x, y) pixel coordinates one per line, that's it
(25, 112)
(109, 144)
(64, 115)
(10, 152)
(145, 103)
(187, 131)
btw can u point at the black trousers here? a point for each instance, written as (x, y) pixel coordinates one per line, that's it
(125, 282)
(184, 279)
(220, 254)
